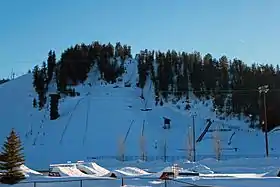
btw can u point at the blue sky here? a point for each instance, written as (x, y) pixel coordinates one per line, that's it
(246, 29)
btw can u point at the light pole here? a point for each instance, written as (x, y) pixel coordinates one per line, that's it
(193, 141)
(263, 90)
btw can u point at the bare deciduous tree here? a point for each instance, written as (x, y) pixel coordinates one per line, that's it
(121, 149)
(190, 145)
(217, 144)
(142, 148)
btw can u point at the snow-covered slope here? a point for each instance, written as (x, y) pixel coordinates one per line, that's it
(94, 123)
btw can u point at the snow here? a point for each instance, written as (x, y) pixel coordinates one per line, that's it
(135, 183)
(28, 172)
(86, 169)
(132, 171)
(135, 174)
(102, 171)
(93, 169)
(96, 122)
(69, 171)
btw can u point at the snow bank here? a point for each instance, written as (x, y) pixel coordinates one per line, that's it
(29, 172)
(132, 171)
(272, 173)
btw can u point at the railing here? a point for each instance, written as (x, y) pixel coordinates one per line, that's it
(89, 182)
(84, 182)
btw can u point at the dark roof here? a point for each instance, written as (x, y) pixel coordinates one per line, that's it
(166, 120)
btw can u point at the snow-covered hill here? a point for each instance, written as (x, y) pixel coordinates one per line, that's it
(94, 123)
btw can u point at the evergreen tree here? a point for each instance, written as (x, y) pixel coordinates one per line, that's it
(3, 81)
(196, 77)
(61, 78)
(35, 76)
(42, 100)
(34, 103)
(41, 89)
(40, 83)
(142, 71)
(51, 64)
(12, 159)
(44, 71)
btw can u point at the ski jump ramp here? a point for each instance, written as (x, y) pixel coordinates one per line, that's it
(80, 170)
(100, 170)
(69, 171)
(94, 169)
(209, 123)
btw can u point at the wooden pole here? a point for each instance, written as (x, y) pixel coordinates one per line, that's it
(263, 90)
(265, 124)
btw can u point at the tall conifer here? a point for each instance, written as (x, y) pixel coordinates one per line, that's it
(12, 159)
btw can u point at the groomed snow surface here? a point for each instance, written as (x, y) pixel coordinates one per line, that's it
(229, 173)
(96, 123)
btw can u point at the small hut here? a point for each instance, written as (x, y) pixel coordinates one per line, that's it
(54, 105)
(166, 123)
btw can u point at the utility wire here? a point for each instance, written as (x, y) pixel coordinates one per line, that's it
(69, 119)
(220, 91)
(86, 129)
(171, 92)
